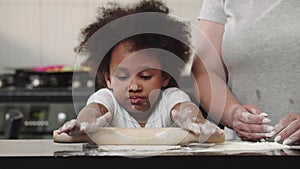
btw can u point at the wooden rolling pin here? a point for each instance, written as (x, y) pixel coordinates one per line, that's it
(139, 136)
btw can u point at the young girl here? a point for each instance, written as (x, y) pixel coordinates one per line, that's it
(140, 79)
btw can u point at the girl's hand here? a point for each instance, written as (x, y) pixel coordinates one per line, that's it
(74, 127)
(190, 118)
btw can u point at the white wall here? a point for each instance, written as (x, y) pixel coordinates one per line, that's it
(44, 32)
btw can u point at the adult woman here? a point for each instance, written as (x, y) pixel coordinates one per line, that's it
(258, 45)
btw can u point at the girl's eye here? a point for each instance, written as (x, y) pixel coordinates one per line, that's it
(122, 77)
(145, 77)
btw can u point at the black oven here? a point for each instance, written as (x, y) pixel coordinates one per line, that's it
(34, 103)
(28, 116)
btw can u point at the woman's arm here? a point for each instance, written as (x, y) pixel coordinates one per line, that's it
(214, 33)
(208, 82)
(215, 97)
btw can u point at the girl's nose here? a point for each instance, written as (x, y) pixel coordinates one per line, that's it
(133, 87)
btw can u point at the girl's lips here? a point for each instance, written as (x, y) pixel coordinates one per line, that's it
(136, 100)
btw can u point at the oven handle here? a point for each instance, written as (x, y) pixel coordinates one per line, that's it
(13, 119)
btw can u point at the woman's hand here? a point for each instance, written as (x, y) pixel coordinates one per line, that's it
(75, 127)
(250, 123)
(288, 129)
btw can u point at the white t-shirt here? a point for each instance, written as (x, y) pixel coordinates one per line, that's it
(160, 116)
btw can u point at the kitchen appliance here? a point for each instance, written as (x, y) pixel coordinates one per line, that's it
(35, 101)
(12, 125)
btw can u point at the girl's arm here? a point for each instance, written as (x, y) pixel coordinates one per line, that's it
(89, 119)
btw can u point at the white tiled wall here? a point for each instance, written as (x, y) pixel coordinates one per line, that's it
(44, 32)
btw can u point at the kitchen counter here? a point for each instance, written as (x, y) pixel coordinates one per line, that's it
(35, 147)
(47, 152)
(49, 148)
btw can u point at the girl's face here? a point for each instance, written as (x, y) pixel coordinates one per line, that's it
(135, 78)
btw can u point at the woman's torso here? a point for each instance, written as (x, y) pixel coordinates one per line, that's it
(261, 48)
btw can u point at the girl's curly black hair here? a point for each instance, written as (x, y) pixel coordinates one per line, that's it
(92, 48)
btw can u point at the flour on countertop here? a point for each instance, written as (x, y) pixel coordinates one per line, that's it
(242, 146)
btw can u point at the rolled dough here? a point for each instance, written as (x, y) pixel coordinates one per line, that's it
(140, 136)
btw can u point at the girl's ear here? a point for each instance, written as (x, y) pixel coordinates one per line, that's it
(107, 80)
(166, 79)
